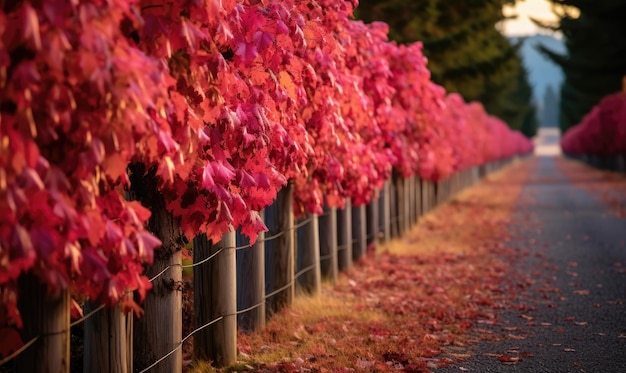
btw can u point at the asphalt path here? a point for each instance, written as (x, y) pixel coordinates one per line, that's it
(569, 313)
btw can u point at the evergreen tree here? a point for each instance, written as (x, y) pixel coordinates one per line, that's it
(466, 52)
(595, 62)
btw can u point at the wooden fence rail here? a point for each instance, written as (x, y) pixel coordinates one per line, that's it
(236, 285)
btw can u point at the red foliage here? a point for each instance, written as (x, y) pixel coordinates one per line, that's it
(71, 85)
(227, 101)
(602, 131)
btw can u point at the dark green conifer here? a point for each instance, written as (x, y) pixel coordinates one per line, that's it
(466, 52)
(595, 63)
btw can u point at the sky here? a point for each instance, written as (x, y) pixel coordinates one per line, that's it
(539, 9)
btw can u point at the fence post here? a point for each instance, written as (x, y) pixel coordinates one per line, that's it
(418, 198)
(411, 200)
(283, 266)
(214, 296)
(408, 201)
(373, 225)
(393, 208)
(152, 337)
(47, 317)
(108, 336)
(430, 197)
(401, 205)
(344, 236)
(424, 195)
(251, 281)
(310, 280)
(328, 244)
(385, 211)
(620, 163)
(359, 232)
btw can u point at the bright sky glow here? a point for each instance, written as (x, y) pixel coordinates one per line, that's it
(547, 142)
(539, 9)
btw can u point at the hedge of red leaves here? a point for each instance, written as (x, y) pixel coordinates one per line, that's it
(226, 100)
(601, 132)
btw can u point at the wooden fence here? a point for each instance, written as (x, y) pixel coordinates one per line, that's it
(236, 286)
(604, 162)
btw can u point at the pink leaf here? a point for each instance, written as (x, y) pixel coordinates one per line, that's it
(207, 177)
(146, 244)
(222, 172)
(263, 40)
(253, 225)
(72, 251)
(246, 52)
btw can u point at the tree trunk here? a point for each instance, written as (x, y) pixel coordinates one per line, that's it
(159, 330)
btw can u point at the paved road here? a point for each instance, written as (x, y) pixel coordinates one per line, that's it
(573, 316)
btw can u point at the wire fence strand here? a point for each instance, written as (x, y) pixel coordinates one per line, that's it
(19, 351)
(180, 344)
(391, 224)
(267, 296)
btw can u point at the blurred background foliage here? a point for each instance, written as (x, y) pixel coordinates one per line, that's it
(466, 51)
(595, 60)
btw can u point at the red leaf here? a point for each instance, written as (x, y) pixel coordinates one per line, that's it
(146, 244)
(142, 213)
(114, 166)
(222, 172)
(73, 252)
(207, 177)
(252, 226)
(509, 359)
(76, 311)
(10, 341)
(246, 53)
(263, 40)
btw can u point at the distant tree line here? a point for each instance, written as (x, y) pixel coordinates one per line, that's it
(595, 62)
(466, 52)
(548, 114)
